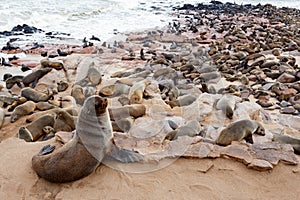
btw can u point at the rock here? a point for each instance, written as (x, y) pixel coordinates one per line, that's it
(274, 152)
(260, 165)
(286, 78)
(288, 110)
(238, 152)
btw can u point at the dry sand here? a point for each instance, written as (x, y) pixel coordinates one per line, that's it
(183, 179)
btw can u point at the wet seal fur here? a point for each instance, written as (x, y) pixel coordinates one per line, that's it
(82, 155)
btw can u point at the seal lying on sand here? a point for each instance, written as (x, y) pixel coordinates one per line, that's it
(80, 156)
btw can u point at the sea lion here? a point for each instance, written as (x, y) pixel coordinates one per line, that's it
(34, 130)
(33, 95)
(240, 130)
(85, 151)
(43, 105)
(191, 129)
(136, 92)
(294, 142)
(227, 104)
(11, 81)
(77, 93)
(35, 76)
(2, 116)
(22, 110)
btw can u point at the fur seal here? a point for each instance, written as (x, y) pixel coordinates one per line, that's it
(294, 142)
(85, 151)
(191, 129)
(77, 93)
(123, 124)
(64, 122)
(134, 110)
(17, 102)
(49, 132)
(22, 110)
(184, 100)
(33, 95)
(114, 90)
(62, 86)
(34, 130)
(11, 81)
(227, 104)
(93, 77)
(46, 63)
(35, 76)
(136, 92)
(240, 130)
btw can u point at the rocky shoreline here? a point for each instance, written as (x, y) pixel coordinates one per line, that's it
(178, 73)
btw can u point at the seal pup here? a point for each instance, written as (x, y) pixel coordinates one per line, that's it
(34, 130)
(184, 100)
(84, 152)
(294, 142)
(22, 110)
(227, 104)
(136, 92)
(239, 130)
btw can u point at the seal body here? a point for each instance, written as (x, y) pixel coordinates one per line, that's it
(240, 130)
(80, 156)
(227, 104)
(33, 95)
(22, 110)
(294, 142)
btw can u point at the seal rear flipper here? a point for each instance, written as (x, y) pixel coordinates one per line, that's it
(124, 155)
(46, 150)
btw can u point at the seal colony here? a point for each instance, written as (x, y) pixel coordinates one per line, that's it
(219, 78)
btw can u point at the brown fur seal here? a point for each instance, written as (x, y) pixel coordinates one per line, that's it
(136, 92)
(33, 95)
(81, 155)
(294, 142)
(227, 104)
(34, 130)
(134, 110)
(184, 100)
(64, 122)
(123, 124)
(11, 81)
(22, 110)
(93, 78)
(46, 63)
(17, 102)
(62, 86)
(77, 93)
(35, 76)
(114, 90)
(191, 129)
(240, 130)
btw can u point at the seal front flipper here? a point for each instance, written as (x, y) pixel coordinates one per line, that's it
(124, 155)
(46, 150)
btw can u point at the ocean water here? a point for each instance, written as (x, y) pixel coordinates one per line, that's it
(102, 18)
